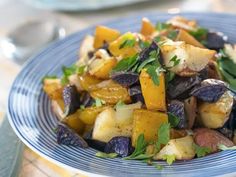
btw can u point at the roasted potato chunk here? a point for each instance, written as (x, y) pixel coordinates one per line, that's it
(147, 122)
(104, 34)
(182, 148)
(214, 115)
(101, 68)
(154, 95)
(189, 39)
(106, 126)
(87, 81)
(147, 27)
(53, 88)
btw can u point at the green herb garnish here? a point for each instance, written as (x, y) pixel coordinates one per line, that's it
(172, 34)
(174, 60)
(200, 34)
(174, 120)
(99, 102)
(140, 149)
(49, 77)
(159, 167)
(169, 158)
(201, 151)
(127, 43)
(68, 71)
(162, 26)
(163, 135)
(82, 107)
(119, 104)
(105, 155)
(126, 64)
(143, 44)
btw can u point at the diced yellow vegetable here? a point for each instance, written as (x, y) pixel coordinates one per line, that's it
(89, 115)
(214, 115)
(147, 27)
(124, 113)
(53, 88)
(154, 95)
(110, 92)
(181, 148)
(101, 68)
(104, 34)
(106, 126)
(148, 123)
(189, 39)
(126, 51)
(74, 122)
(87, 81)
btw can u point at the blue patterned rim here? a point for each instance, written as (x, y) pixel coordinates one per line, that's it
(31, 117)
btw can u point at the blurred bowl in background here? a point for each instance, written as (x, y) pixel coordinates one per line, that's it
(79, 5)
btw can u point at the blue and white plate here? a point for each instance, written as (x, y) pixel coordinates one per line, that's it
(31, 116)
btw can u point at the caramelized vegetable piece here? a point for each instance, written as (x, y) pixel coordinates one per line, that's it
(205, 137)
(116, 48)
(104, 34)
(189, 39)
(101, 68)
(214, 115)
(147, 27)
(147, 122)
(110, 92)
(181, 148)
(89, 115)
(174, 134)
(74, 122)
(106, 126)
(191, 59)
(87, 81)
(53, 88)
(190, 107)
(154, 95)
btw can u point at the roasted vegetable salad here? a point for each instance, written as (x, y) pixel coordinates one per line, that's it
(164, 93)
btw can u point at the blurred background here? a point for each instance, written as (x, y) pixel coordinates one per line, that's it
(26, 26)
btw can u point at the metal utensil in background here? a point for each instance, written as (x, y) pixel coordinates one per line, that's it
(28, 38)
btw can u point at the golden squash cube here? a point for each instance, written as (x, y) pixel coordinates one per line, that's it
(154, 95)
(148, 123)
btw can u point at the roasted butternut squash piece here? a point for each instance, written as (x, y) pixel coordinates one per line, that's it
(154, 95)
(189, 39)
(74, 122)
(87, 80)
(110, 92)
(147, 27)
(118, 49)
(104, 34)
(53, 88)
(101, 68)
(89, 115)
(147, 122)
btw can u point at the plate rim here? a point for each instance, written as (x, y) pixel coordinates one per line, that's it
(52, 45)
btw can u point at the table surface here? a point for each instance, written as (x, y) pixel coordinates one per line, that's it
(14, 12)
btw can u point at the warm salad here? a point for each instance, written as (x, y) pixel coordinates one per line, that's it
(164, 93)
